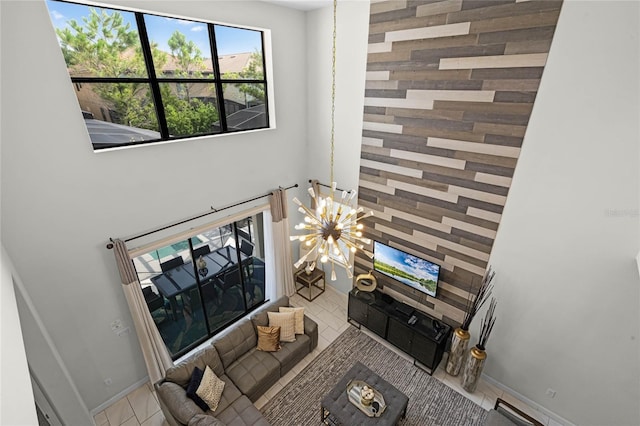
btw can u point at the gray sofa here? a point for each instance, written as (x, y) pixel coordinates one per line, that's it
(505, 414)
(247, 372)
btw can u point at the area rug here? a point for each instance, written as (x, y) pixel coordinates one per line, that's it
(430, 401)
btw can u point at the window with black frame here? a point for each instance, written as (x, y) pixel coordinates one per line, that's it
(141, 78)
(197, 287)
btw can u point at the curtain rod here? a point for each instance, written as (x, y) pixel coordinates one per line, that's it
(214, 210)
(327, 186)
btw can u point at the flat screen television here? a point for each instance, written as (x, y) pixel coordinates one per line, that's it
(406, 268)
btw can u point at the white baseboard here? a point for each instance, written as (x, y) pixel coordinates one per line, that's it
(118, 396)
(527, 401)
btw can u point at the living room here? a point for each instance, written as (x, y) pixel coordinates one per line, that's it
(572, 203)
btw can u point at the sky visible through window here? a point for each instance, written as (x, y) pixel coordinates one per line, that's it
(230, 40)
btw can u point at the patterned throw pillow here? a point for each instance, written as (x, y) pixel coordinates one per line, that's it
(298, 316)
(286, 322)
(210, 389)
(268, 339)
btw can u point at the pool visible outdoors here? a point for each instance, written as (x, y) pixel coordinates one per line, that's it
(174, 248)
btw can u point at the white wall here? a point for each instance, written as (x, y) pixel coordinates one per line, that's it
(351, 61)
(16, 401)
(54, 385)
(61, 202)
(567, 285)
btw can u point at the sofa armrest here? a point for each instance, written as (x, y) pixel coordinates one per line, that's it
(311, 330)
(204, 420)
(177, 407)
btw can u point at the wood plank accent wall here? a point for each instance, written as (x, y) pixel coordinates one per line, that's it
(449, 92)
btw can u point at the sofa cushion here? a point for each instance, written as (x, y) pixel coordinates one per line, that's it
(260, 316)
(235, 342)
(254, 373)
(292, 352)
(242, 413)
(210, 389)
(192, 387)
(176, 400)
(204, 420)
(287, 324)
(181, 373)
(298, 316)
(268, 339)
(229, 395)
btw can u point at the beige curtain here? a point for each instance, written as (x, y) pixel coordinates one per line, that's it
(316, 188)
(281, 244)
(155, 353)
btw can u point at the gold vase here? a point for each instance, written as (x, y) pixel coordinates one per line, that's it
(459, 343)
(473, 369)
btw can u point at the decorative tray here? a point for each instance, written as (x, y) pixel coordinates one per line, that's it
(375, 409)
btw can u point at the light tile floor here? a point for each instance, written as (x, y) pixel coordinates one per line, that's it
(329, 310)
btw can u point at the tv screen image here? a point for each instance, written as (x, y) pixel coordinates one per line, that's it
(406, 268)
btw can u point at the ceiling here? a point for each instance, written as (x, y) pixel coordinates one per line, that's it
(305, 5)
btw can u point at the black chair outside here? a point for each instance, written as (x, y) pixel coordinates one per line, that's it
(171, 263)
(210, 293)
(244, 234)
(255, 281)
(231, 279)
(154, 301)
(201, 251)
(191, 302)
(246, 247)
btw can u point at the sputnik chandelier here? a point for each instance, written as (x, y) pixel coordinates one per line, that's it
(332, 229)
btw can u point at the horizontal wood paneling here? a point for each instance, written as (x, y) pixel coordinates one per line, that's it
(450, 89)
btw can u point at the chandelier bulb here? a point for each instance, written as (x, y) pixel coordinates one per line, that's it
(324, 258)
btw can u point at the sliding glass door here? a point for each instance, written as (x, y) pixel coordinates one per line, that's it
(197, 287)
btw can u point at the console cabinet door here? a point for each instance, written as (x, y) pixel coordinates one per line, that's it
(357, 310)
(423, 349)
(377, 321)
(399, 334)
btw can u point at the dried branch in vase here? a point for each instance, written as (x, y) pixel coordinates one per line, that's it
(474, 304)
(487, 324)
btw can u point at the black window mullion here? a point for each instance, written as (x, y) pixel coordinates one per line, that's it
(199, 287)
(217, 76)
(240, 268)
(153, 81)
(264, 76)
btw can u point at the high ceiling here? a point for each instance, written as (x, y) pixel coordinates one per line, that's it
(305, 5)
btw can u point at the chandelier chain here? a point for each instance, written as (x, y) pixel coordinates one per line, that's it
(333, 91)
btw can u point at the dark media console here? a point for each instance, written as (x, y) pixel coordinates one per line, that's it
(414, 332)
